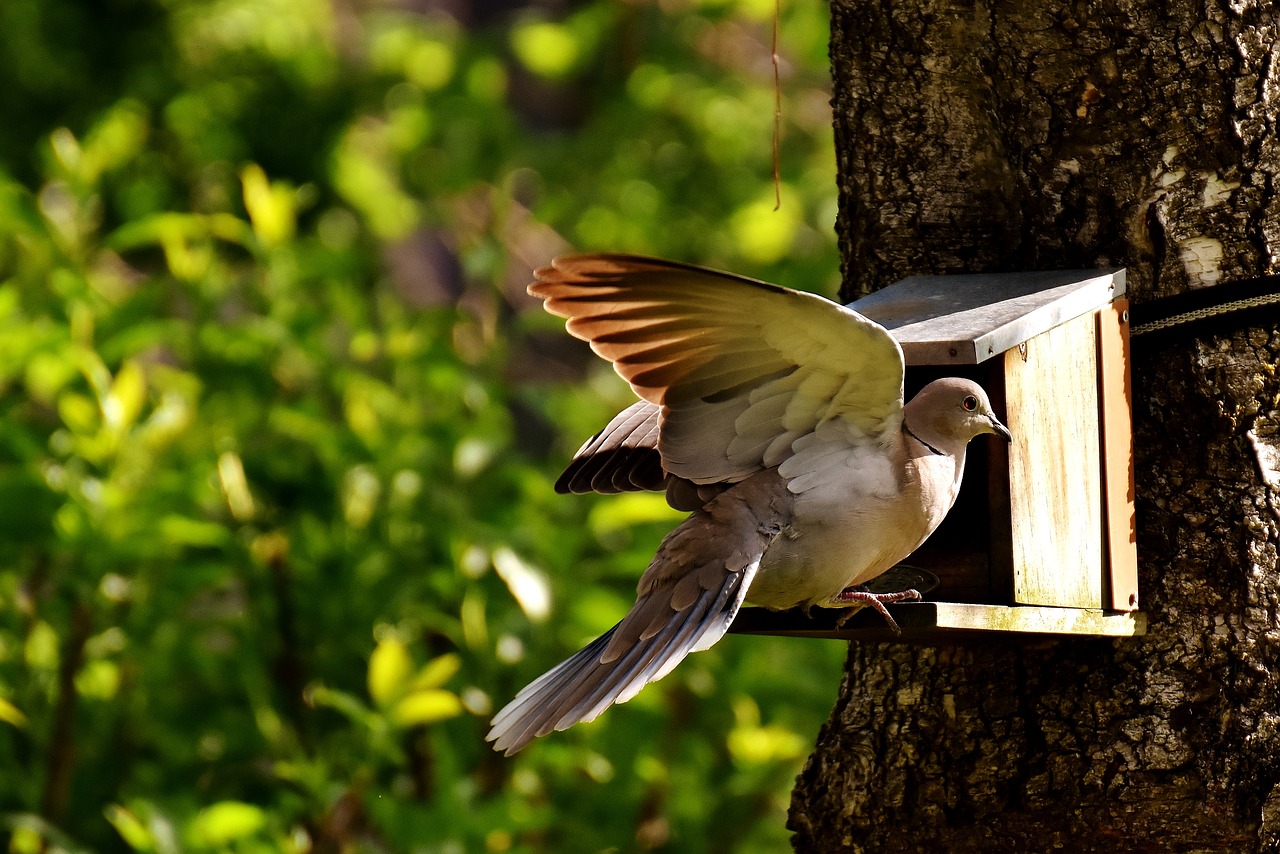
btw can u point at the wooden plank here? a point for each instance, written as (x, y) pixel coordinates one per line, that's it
(1055, 482)
(967, 319)
(1115, 393)
(932, 621)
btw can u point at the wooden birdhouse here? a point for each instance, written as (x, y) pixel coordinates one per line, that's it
(1042, 537)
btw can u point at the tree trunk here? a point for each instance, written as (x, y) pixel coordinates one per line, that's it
(1028, 135)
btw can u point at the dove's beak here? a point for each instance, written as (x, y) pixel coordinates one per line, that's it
(999, 429)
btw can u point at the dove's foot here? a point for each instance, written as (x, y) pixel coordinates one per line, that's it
(854, 596)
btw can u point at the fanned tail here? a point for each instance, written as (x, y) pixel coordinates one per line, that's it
(685, 602)
(594, 678)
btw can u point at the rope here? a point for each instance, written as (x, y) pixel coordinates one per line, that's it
(1206, 311)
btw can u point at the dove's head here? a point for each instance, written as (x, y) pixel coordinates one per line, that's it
(947, 413)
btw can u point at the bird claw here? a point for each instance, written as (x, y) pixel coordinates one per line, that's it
(851, 595)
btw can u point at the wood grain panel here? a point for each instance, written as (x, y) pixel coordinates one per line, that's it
(1055, 482)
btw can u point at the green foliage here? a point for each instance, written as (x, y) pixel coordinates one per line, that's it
(278, 426)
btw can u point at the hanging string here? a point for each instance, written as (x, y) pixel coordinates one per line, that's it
(777, 113)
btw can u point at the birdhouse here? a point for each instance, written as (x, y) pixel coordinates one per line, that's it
(1042, 537)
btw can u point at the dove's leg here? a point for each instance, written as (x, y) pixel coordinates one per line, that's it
(852, 596)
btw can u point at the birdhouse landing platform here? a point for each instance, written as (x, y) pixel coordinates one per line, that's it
(1042, 539)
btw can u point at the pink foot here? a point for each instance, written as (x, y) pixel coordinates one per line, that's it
(853, 595)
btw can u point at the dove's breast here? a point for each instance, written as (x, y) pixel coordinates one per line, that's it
(866, 512)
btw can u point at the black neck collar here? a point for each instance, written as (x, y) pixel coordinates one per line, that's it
(907, 430)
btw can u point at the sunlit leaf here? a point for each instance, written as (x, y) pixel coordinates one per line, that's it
(366, 179)
(123, 403)
(475, 624)
(389, 669)
(226, 822)
(360, 491)
(633, 508)
(436, 672)
(235, 486)
(130, 827)
(546, 48)
(527, 583)
(34, 834)
(41, 650)
(99, 680)
(78, 412)
(11, 714)
(752, 744)
(192, 532)
(426, 707)
(270, 206)
(430, 64)
(117, 137)
(765, 234)
(46, 374)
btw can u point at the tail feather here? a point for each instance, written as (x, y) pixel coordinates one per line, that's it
(581, 687)
(685, 602)
(527, 715)
(623, 679)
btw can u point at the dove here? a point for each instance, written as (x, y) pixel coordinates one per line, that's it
(776, 417)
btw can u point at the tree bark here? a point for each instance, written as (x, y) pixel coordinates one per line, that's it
(1026, 135)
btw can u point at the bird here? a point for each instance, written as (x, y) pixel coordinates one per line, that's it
(776, 417)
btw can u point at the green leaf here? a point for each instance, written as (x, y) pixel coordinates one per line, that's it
(389, 668)
(47, 373)
(429, 64)
(99, 680)
(124, 401)
(79, 413)
(342, 702)
(426, 707)
(629, 509)
(764, 231)
(182, 531)
(41, 650)
(436, 672)
(130, 827)
(546, 48)
(226, 822)
(9, 713)
(235, 486)
(270, 206)
(118, 137)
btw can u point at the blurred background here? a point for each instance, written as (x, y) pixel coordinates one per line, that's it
(279, 425)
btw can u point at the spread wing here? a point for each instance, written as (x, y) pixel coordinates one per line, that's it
(741, 369)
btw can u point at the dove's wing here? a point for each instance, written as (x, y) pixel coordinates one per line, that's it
(685, 603)
(623, 457)
(742, 369)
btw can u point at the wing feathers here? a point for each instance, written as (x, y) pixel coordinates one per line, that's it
(622, 457)
(702, 344)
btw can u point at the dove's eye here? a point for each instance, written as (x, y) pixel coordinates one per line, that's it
(970, 403)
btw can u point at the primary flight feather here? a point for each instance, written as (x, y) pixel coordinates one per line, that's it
(777, 418)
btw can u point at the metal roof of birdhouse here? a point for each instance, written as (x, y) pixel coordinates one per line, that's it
(967, 319)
